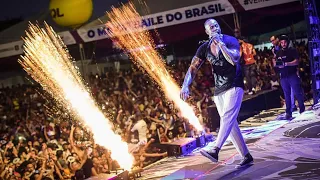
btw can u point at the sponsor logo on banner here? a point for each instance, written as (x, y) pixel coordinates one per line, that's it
(255, 4)
(11, 49)
(16, 48)
(166, 18)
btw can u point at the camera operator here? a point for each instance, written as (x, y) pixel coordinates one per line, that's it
(287, 60)
(275, 48)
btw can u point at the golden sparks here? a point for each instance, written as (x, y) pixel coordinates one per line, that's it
(125, 29)
(48, 62)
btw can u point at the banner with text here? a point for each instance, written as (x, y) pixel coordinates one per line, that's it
(255, 4)
(16, 47)
(11, 49)
(167, 18)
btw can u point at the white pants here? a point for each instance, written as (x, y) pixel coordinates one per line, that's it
(228, 105)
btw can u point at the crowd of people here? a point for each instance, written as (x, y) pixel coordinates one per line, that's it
(40, 141)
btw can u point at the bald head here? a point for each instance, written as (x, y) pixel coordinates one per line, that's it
(211, 26)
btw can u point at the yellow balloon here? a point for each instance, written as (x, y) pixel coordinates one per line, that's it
(70, 13)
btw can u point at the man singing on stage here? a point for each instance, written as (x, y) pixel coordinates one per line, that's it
(222, 51)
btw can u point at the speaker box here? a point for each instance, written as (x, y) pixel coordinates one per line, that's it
(201, 141)
(181, 146)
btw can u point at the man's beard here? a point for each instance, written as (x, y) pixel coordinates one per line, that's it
(215, 32)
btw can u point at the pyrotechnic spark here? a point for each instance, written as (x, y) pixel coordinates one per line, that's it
(125, 29)
(47, 60)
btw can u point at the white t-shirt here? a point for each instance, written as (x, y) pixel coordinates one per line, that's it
(141, 127)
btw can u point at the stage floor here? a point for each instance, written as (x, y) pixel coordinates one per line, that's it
(276, 156)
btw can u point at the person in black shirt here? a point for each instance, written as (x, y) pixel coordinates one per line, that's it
(287, 60)
(276, 48)
(223, 52)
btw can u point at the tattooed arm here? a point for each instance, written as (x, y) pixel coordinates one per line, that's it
(192, 71)
(231, 51)
(197, 61)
